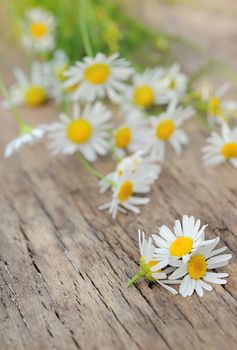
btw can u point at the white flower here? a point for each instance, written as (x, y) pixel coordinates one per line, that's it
(31, 92)
(148, 265)
(59, 64)
(125, 189)
(86, 131)
(218, 108)
(221, 147)
(98, 77)
(57, 68)
(166, 128)
(146, 91)
(145, 166)
(38, 31)
(132, 135)
(185, 239)
(196, 269)
(29, 137)
(175, 82)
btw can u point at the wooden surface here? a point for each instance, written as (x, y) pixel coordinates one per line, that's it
(64, 265)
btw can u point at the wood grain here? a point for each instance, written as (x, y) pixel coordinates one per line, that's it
(64, 265)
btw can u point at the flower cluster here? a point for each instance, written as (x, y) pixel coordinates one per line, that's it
(108, 108)
(182, 256)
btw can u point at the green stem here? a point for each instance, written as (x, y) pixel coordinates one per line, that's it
(84, 27)
(92, 170)
(135, 278)
(22, 124)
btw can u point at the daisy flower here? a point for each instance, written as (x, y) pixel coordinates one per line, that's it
(38, 31)
(175, 82)
(221, 147)
(147, 90)
(180, 243)
(166, 128)
(86, 131)
(28, 136)
(196, 269)
(98, 77)
(59, 64)
(125, 190)
(148, 265)
(31, 92)
(146, 166)
(218, 108)
(57, 68)
(132, 135)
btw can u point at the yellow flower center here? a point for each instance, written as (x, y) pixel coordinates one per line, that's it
(214, 106)
(97, 73)
(61, 71)
(143, 96)
(165, 129)
(72, 88)
(153, 263)
(181, 246)
(38, 29)
(229, 150)
(197, 267)
(35, 95)
(145, 268)
(172, 84)
(79, 131)
(125, 191)
(123, 137)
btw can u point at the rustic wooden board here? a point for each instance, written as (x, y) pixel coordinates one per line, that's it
(64, 265)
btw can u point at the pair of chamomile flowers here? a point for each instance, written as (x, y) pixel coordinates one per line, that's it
(182, 257)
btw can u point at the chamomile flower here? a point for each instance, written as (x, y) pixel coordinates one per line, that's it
(28, 136)
(59, 64)
(146, 91)
(196, 269)
(132, 135)
(221, 147)
(98, 77)
(137, 163)
(185, 239)
(125, 190)
(148, 265)
(219, 109)
(57, 68)
(166, 128)
(31, 92)
(86, 131)
(175, 82)
(38, 31)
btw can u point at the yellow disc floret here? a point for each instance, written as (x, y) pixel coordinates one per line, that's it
(125, 191)
(97, 73)
(172, 84)
(214, 106)
(165, 129)
(60, 72)
(123, 137)
(35, 96)
(197, 267)
(38, 30)
(146, 268)
(181, 246)
(79, 131)
(229, 150)
(143, 96)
